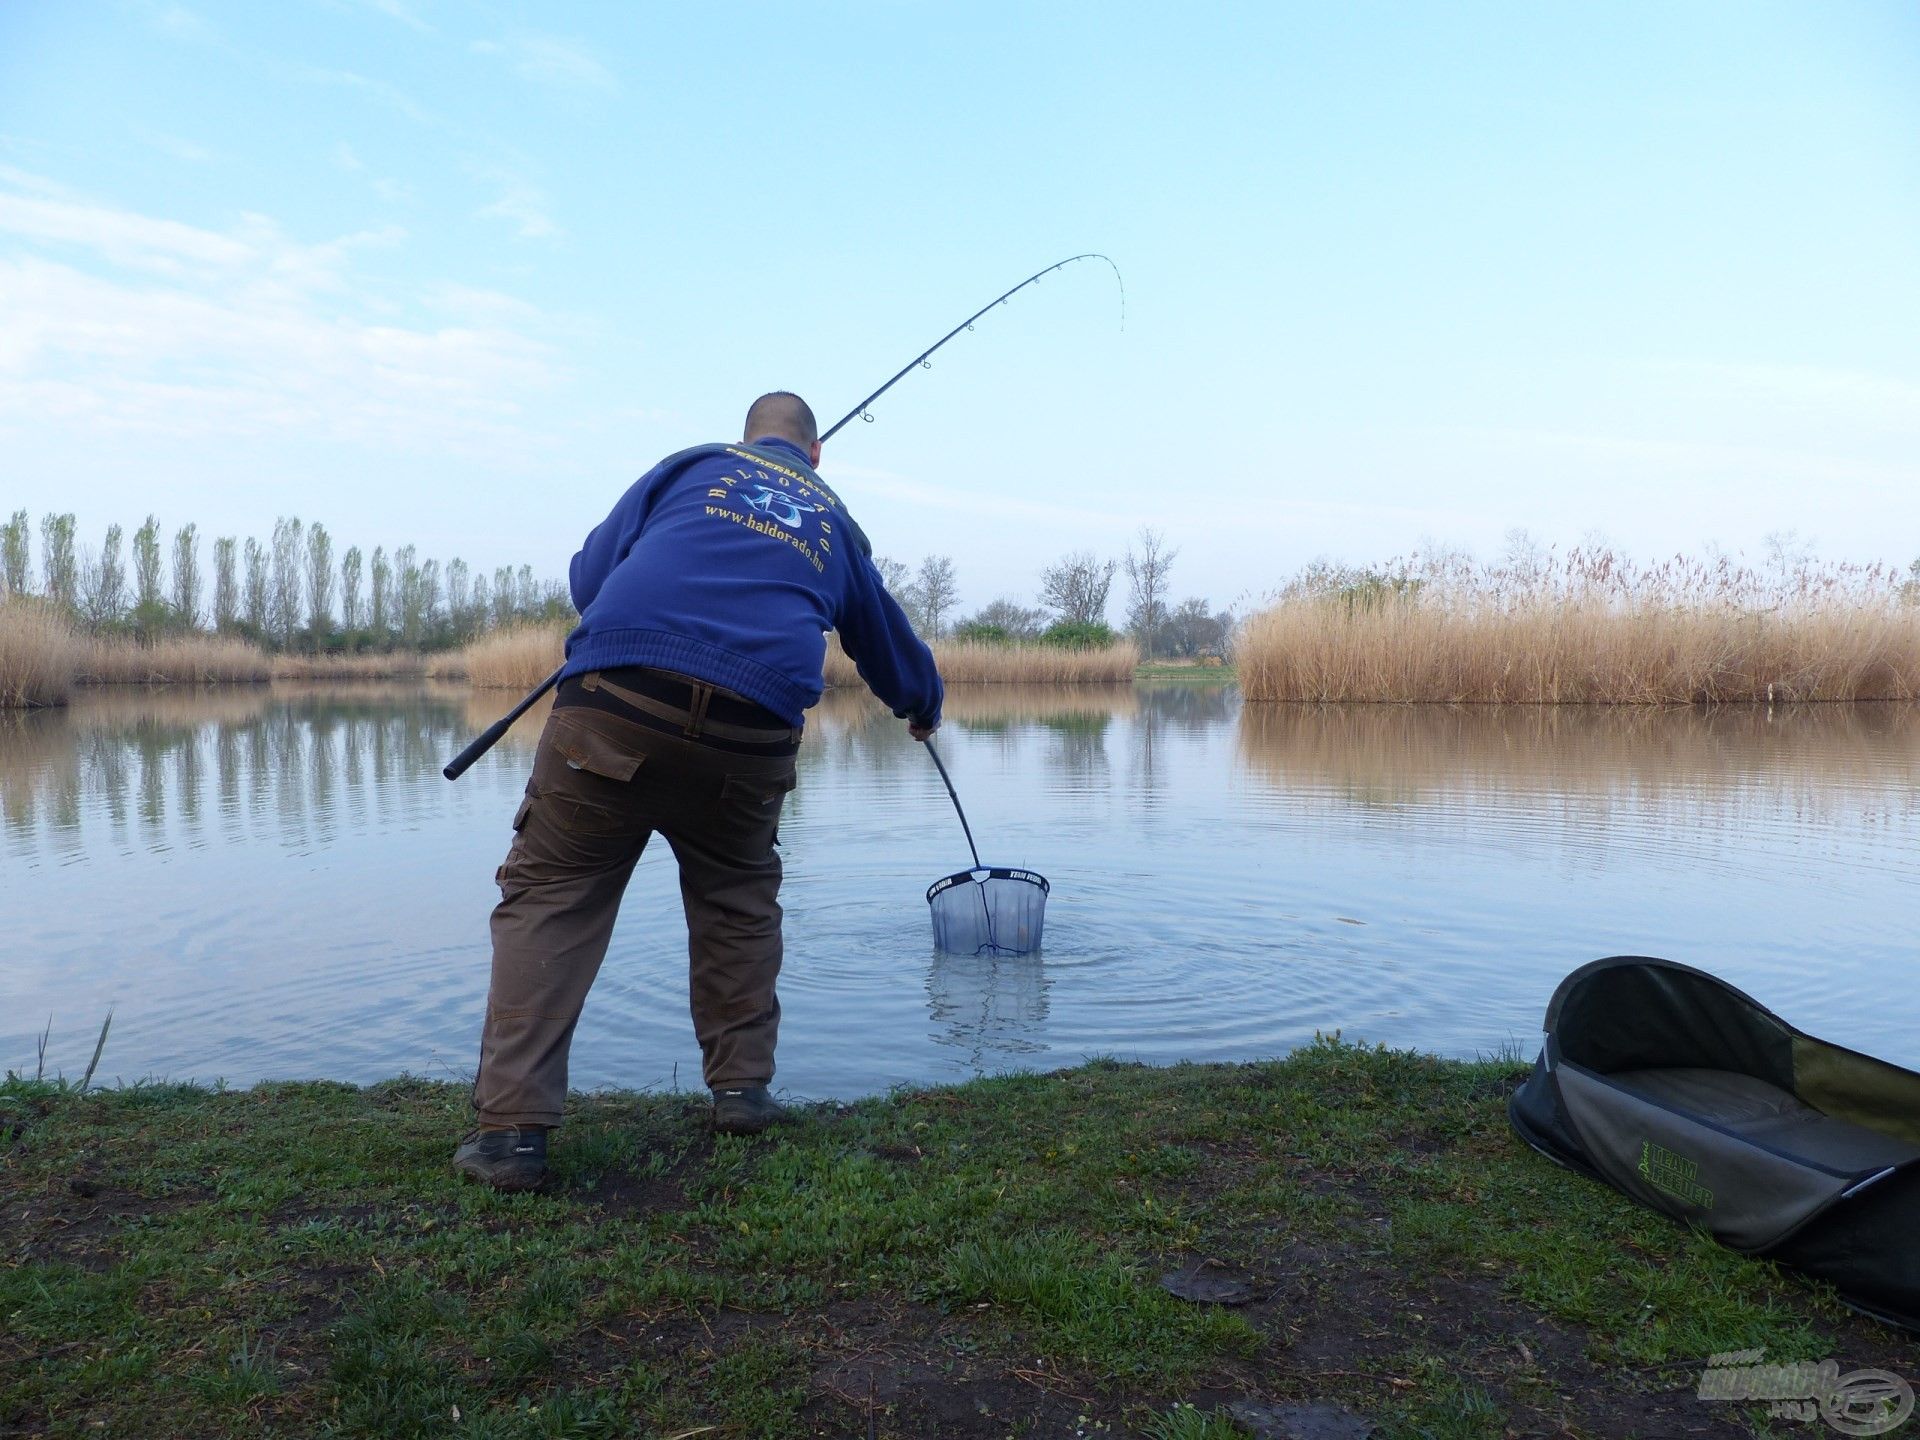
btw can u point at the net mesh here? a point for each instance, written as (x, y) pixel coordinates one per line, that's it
(992, 910)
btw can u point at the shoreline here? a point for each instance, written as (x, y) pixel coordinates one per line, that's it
(973, 1261)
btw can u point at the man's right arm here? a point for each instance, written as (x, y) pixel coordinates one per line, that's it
(895, 662)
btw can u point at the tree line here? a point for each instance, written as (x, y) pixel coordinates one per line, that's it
(287, 593)
(1072, 605)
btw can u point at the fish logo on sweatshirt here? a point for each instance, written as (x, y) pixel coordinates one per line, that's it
(779, 505)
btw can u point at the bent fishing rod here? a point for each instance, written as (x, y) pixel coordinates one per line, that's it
(491, 736)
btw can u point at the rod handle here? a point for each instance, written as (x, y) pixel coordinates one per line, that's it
(490, 736)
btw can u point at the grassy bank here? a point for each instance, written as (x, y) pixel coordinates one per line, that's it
(970, 1262)
(965, 663)
(1589, 628)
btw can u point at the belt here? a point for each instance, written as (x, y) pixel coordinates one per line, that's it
(679, 704)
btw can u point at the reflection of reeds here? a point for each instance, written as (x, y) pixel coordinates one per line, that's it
(173, 660)
(1408, 755)
(1587, 628)
(515, 659)
(962, 663)
(399, 665)
(854, 709)
(38, 650)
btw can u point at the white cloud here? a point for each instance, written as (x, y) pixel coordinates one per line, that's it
(519, 202)
(549, 60)
(119, 322)
(174, 145)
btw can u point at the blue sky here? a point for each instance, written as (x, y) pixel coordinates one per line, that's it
(1395, 274)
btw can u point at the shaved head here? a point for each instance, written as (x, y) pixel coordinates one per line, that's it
(784, 414)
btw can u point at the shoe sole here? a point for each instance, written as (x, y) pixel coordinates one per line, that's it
(512, 1184)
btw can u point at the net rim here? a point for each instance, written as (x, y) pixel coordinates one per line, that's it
(984, 874)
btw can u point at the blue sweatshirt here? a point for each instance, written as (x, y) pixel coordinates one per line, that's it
(730, 563)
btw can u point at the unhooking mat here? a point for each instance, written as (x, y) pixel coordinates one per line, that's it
(1694, 1099)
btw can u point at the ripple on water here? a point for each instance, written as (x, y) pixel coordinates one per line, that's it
(281, 885)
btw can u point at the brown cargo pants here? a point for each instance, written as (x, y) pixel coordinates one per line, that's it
(601, 786)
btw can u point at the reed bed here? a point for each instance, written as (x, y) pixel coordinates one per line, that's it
(518, 658)
(964, 663)
(38, 654)
(173, 660)
(1587, 628)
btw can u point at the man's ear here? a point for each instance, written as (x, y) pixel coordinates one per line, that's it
(813, 455)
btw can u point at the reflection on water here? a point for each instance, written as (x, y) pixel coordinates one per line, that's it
(276, 881)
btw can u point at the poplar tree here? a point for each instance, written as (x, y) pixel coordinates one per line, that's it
(57, 560)
(350, 566)
(319, 581)
(16, 558)
(186, 575)
(257, 594)
(226, 585)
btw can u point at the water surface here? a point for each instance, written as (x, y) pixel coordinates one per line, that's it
(278, 883)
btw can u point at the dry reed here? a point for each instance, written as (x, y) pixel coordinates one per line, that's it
(518, 658)
(38, 654)
(964, 663)
(172, 660)
(1587, 628)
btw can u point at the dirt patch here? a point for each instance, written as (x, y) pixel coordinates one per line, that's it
(78, 1220)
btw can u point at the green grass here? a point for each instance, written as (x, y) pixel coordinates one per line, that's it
(974, 1261)
(1170, 670)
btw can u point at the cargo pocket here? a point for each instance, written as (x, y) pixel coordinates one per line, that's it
(589, 750)
(503, 875)
(757, 789)
(582, 784)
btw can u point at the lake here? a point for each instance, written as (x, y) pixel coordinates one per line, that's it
(278, 884)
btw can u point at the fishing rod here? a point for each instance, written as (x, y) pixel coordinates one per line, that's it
(491, 736)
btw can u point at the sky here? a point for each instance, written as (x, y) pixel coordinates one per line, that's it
(1396, 275)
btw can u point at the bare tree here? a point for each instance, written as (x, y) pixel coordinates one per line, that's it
(257, 595)
(380, 615)
(350, 568)
(1191, 627)
(103, 582)
(1147, 571)
(1076, 589)
(226, 585)
(1006, 617)
(186, 575)
(937, 591)
(57, 559)
(319, 580)
(16, 558)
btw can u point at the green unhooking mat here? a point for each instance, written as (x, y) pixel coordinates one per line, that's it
(1694, 1099)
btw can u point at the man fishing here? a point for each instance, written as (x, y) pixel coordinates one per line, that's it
(703, 598)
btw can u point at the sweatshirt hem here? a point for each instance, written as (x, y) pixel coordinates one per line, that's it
(762, 684)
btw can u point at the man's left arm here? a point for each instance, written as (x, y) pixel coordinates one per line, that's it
(611, 541)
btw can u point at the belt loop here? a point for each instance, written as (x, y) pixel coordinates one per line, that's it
(697, 710)
(590, 681)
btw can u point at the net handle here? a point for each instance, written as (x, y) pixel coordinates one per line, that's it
(956, 803)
